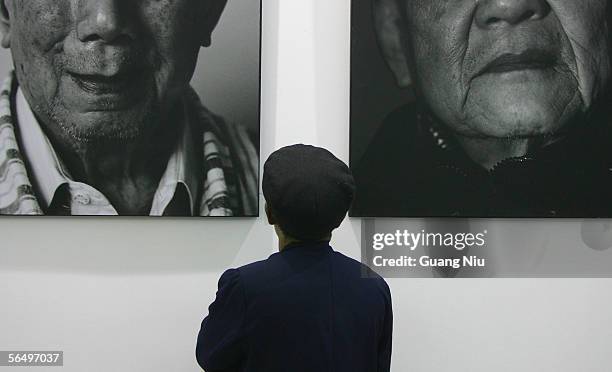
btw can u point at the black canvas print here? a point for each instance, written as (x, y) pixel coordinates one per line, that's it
(137, 108)
(481, 108)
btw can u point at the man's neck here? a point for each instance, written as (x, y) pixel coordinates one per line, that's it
(127, 173)
(284, 240)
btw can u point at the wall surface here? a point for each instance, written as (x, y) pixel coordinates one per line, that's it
(129, 294)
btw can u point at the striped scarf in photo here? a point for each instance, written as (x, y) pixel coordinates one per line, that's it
(230, 175)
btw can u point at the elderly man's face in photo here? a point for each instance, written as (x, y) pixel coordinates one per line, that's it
(105, 69)
(506, 68)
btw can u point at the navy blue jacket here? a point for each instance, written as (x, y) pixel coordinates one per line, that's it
(307, 308)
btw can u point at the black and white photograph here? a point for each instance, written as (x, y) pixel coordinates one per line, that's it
(481, 108)
(130, 108)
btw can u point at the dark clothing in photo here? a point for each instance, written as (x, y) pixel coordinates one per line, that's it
(414, 168)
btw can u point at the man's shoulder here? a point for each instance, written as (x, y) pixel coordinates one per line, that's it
(257, 266)
(260, 271)
(352, 265)
(281, 261)
(344, 269)
(353, 271)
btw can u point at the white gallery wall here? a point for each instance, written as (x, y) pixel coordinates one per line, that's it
(127, 294)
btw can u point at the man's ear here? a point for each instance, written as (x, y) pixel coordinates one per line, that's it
(390, 32)
(212, 14)
(5, 25)
(269, 215)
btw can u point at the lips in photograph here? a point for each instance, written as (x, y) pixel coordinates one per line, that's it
(531, 59)
(105, 78)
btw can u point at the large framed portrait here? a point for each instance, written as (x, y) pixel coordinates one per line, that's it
(138, 108)
(481, 109)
